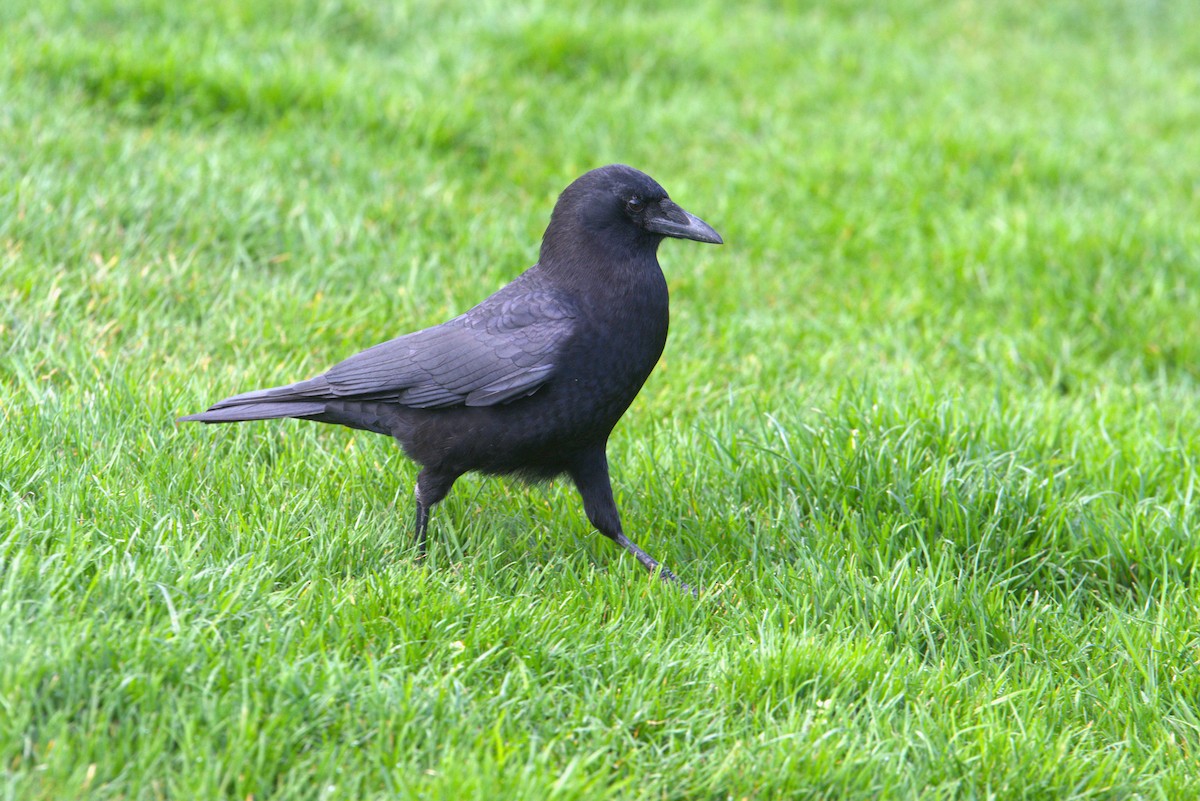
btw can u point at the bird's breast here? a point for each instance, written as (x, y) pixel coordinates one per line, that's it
(617, 346)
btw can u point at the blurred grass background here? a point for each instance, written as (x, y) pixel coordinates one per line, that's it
(926, 426)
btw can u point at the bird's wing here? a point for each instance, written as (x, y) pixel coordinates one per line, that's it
(495, 353)
(501, 350)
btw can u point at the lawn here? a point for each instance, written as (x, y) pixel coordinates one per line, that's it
(926, 429)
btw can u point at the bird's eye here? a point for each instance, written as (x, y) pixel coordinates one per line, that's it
(635, 204)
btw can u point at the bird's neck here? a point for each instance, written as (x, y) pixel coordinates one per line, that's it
(596, 265)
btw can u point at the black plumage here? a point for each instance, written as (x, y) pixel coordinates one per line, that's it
(533, 379)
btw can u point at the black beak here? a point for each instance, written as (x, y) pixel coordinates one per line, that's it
(669, 219)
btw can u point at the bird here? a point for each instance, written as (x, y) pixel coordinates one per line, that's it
(532, 380)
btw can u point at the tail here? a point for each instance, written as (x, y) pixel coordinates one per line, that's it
(295, 400)
(254, 411)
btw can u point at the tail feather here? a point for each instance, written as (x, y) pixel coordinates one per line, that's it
(256, 411)
(310, 390)
(302, 399)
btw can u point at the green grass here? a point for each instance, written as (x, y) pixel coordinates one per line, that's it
(927, 427)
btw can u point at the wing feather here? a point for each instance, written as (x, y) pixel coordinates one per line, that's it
(503, 349)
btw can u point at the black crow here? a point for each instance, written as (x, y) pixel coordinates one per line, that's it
(533, 379)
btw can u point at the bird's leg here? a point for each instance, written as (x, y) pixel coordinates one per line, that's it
(431, 488)
(647, 561)
(422, 524)
(591, 478)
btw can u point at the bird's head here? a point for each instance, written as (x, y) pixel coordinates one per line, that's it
(619, 208)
